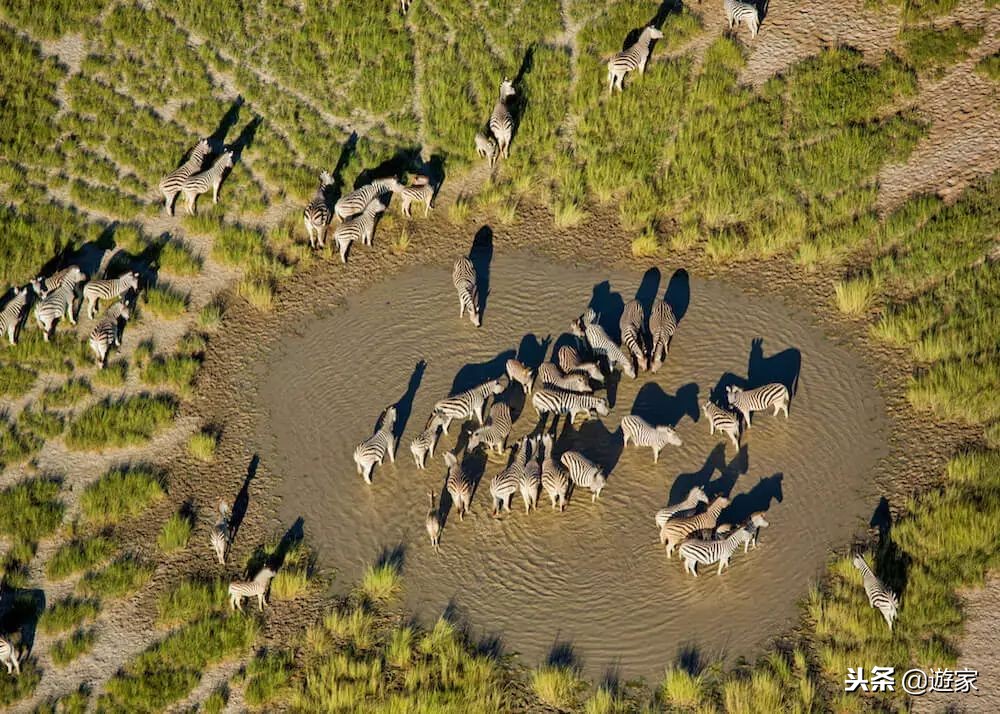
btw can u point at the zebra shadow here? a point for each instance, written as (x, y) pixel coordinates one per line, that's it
(245, 138)
(433, 169)
(262, 556)
(229, 119)
(757, 499)
(659, 408)
(657, 20)
(648, 289)
(763, 6)
(515, 398)
(336, 189)
(403, 161)
(20, 610)
(891, 564)
(716, 461)
(532, 350)
(718, 393)
(609, 307)
(475, 373)
(522, 99)
(729, 474)
(595, 441)
(678, 294)
(783, 367)
(474, 466)
(242, 501)
(481, 255)
(404, 407)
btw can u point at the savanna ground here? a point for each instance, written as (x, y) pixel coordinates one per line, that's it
(844, 160)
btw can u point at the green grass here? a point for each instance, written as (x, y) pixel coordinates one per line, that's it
(14, 689)
(381, 582)
(119, 578)
(176, 371)
(68, 649)
(15, 381)
(855, 297)
(67, 614)
(556, 686)
(210, 315)
(215, 703)
(647, 245)
(164, 302)
(66, 394)
(268, 678)
(190, 600)
(41, 424)
(684, 690)
(79, 555)
(72, 703)
(61, 354)
(928, 48)
(30, 510)
(202, 445)
(176, 258)
(16, 446)
(113, 374)
(176, 533)
(121, 494)
(258, 293)
(124, 422)
(989, 66)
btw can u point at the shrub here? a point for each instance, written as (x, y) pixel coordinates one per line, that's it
(202, 445)
(119, 578)
(66, 650)
(79, 555)
(125, 422)
(120, 494)
(66, 614)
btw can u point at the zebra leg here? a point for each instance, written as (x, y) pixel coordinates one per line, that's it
(735, 436)
(260, 602)
(427, 208)
(215, 192)
(343, 245)
(746, 415)
(190, 198)
(656, 454)
(624, 438)
(391, 450)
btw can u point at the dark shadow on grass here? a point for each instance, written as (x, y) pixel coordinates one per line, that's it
(404, 407)
(20, 610)
(293, 536)
(563, 654)
(481, 255)
(242, 502)
(891, 564)
(245, 139)
(678, 294)
(393, 556)
(218, 137)
(659, 408)
(487, 644)
(336, 190)
(690, 659)
(405, 160)
(782, 367)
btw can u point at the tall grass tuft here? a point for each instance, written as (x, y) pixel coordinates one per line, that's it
(176, 533)
(68, 649)
(381, 582)
(30, 510)
(66, 614)
(120, 494)
(123, 422)
(79, 555)
(856, 296)
(556, 686)
(121, 577)
(202, 445)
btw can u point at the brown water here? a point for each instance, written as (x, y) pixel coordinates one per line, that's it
(593, 577)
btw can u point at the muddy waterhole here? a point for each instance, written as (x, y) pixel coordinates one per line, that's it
(592, 579)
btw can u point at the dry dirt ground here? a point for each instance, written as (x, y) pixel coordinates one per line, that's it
(964, 142)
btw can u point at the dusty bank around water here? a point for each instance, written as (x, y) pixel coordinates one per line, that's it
(592, 577)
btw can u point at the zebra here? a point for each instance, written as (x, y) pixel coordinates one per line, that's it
(748, 533)
(879, 596)
(520, 373)
(494, 436)
(486, 147)
(316, 215)
(506, 482)
(420, 191)
(433, 524)
(360, 227)
(662, 325)
(597, 339)
(687, 507)
(357, 200)
(13, 313)
(59, 302)
(51, 282)
(173, 183)
(201, 182)
(107, 333)
(501, 120)
(556, 401)
(555, 479)
(97, 290)
(405, 5)
(722, 421)
(552, 377)
(584, 473)
(634, 57)
(642, 433)
(10, 656)
(632, 324)
(376, 447)
(458, 484)
(530, 477)
(738, 11)
(240, 589)
(706, 552)
(221, 535)
(675, 530)
(747, 401)
(468, 404)
(463, 277)
(569, 360)
(424, 443)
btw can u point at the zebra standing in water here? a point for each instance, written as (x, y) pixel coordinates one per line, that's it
(458, 484)
(433, 524)
(642, 433)
(501, 120)
(97, 290)
(468, 404)
(420, 191)
(317, 214)
(506, 482)
(569, 360)
(738, 11)
(556, 401)
(676, 529)
(201, 182)
(240, 589)
(9, 656)
(59, 302)
(555, 479)
(706, 552)
(486, 147)
(879, 596)
(373, 450)
(463, 277)
(16, 309)
(358, 228)
(722, 421)
(424, 443)
(662, 325)
(221, 536)
(520, 373)
(747, 401)
(357, 200)
(632, 324)
(687, 507)
(587, 327)
(173, 183)
(552, 377)
(107, 332)
(584, 473)
(635, 57)
(530, 478)
(493, 436)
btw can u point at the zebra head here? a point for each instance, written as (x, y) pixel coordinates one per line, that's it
(450, 460)
(506, 90)
(226, 160)
(475, 439)
(757, 520)
(732, 393)
(652, 33)
(38, 286)
(126, 312)
(325, 179)
(698, 495)
(496, 387)
(669, 435)
(264, 575)
(601, 407)
(375, 207)
(578, 328)
(132, 281)
(389, 418)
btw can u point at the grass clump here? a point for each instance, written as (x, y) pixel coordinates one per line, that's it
(175, 257)
(79, 555)
(164, 302)
(647, 245)
(15, 445)
(120, 494)
(215, 703)
(177, 371)
(119, 578)
(190, 600)
(14, 689)
(989, 66)
(202, 445)
(41, 424)
(210, 315)
(927, 48)
(66, 650)
(66, 394)
(257, 292)
(30, 510)
(556, 685)
(113, 375)
(268, 678)
(176, 533)
(684, 690)
(855, 297)
(293, 561)
(68, 613)
(124, 422)
(15, 381)
(72, 703)
(381, 582)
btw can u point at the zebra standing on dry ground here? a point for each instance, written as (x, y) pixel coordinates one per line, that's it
(458, 485)
(433, 523)
(97, 290)
(530, 478)
(424, 443)
(373, 450)
(554, 378)
(9, 656)
(486, 147)
(173, 183)
(501, 120)
(356, 201)
(722, 421)
(587, 327)
(59, 302)
(201, 182)
(463, 277)
(555, 479)
(420, 191)
(520, 373)
(360, 227)
(685, 508)
(221, 536)
(505, 483)
(317, 214)
(16, 309)
(468, 404)
(494, 435)
(879, 596)
(706, 552)
(677, 529)
(107, 332)
(584, 473)
(569, 360)
(642, 433)
(632, 58)
(747, 401)
(738, 11)
(240, 589)
(662, 325)
(632, 324)
(555, 401)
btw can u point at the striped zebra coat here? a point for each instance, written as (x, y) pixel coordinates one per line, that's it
(879, 596)
(420, 191)
(506, 482)
(10, 656)
(555, 401)
(458, 484)
(201, 182)
(738, 11)
(747, 401)
(425, 442)
(317, 215)
(597, 339)
(695, 551)
(173, 182)
(360, 227)
(494, 435)
(468, 404)
(373, 450)
(662, 325)
(356, 201)
(687, 507)
(107, 332)
(632, 58)
(632, 325)
(530, 478)
(501, 120)
(486, 147)
(50, 283)
(555, 479)
(240, 589)
(58, 302)
(722, 421)
(642, 433)
(97, 290)
(433, 523)
(553, 378)
(463, 277)
(584, 473)
(677, 529)
(221, 535)
(520, 373)
(569, 360)
(13, 313)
